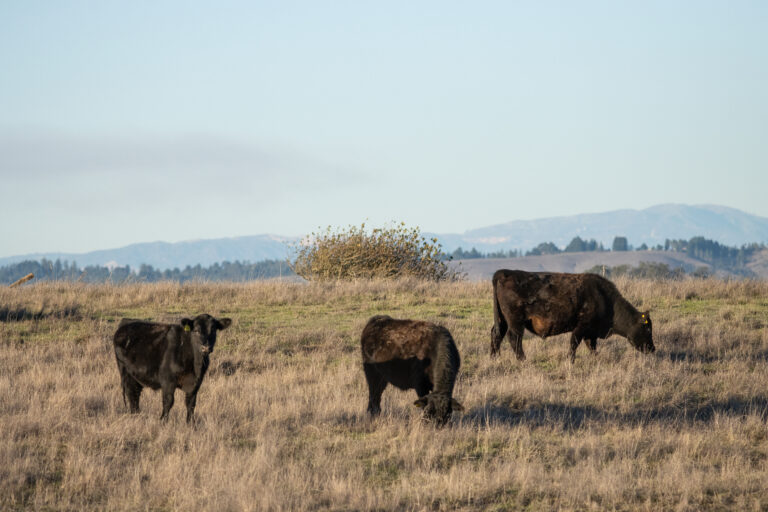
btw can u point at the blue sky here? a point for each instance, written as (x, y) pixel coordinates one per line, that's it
(125, 122)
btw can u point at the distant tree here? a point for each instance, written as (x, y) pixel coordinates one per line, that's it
(620, 244)
(511, 253)
(48, 271)
(592, 245)
(676, 245)
(579, 245)
(460, 254)
(576, 245)
(543, 248)
(642, 247)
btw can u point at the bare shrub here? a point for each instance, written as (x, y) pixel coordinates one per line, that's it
(354, 253)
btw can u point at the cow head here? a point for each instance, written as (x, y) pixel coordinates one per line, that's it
(438, 407)
(640, 333)
(204, 328)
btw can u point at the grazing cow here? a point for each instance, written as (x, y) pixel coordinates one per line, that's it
(165, 357)
(547, 304)
(411, 355)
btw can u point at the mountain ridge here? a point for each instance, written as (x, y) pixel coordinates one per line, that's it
(169, 255)
(652, 226)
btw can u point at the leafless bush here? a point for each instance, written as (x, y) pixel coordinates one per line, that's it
(354, 253)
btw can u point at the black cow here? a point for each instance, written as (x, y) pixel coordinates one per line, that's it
(587, 305)
(411, 355)
(165, 357)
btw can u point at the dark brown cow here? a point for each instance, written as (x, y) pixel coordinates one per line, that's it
(411, 355)
(166, 357)
(587, 305)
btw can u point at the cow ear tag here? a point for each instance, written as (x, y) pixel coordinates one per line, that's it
(187, 328)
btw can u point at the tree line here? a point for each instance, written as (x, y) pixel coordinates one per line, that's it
(47, 270)
(719, 256)
(716, 254)
(575, 245)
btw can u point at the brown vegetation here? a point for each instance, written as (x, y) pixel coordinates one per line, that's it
(355, 253)
(22, 280)
(282, 421)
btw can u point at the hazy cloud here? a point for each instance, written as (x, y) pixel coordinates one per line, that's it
(24, 157)
(91, 174)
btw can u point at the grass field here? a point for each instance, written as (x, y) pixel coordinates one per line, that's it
(282, 422)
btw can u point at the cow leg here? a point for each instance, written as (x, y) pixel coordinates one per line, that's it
(168, 391)
(376, 385)
(131, 390)
(515, 335)
(575, 342)
(190, 400)
(496, 339)
(424, 387)
(498, 331)
(515, 327)
(592, 345)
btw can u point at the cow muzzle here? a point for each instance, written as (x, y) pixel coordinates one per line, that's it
(205, 350)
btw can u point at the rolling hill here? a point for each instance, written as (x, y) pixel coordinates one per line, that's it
(165, 255)
(651, 226)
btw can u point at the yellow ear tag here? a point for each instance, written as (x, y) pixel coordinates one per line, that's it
(187, 328)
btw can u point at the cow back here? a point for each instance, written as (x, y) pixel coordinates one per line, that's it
(553, 303)
(142, 347)
(386, 339)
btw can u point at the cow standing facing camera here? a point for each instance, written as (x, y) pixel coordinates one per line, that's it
(165, 357)
(410, 354)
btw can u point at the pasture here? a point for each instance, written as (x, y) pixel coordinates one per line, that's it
(281, 414)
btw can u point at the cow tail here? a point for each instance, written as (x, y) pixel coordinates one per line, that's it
(122, 382)
(122, 377)
(500, 326)
(446, 363)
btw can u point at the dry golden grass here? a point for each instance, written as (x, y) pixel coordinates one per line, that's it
(282, 422)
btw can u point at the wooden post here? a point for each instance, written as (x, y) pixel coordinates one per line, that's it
(22, 280)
